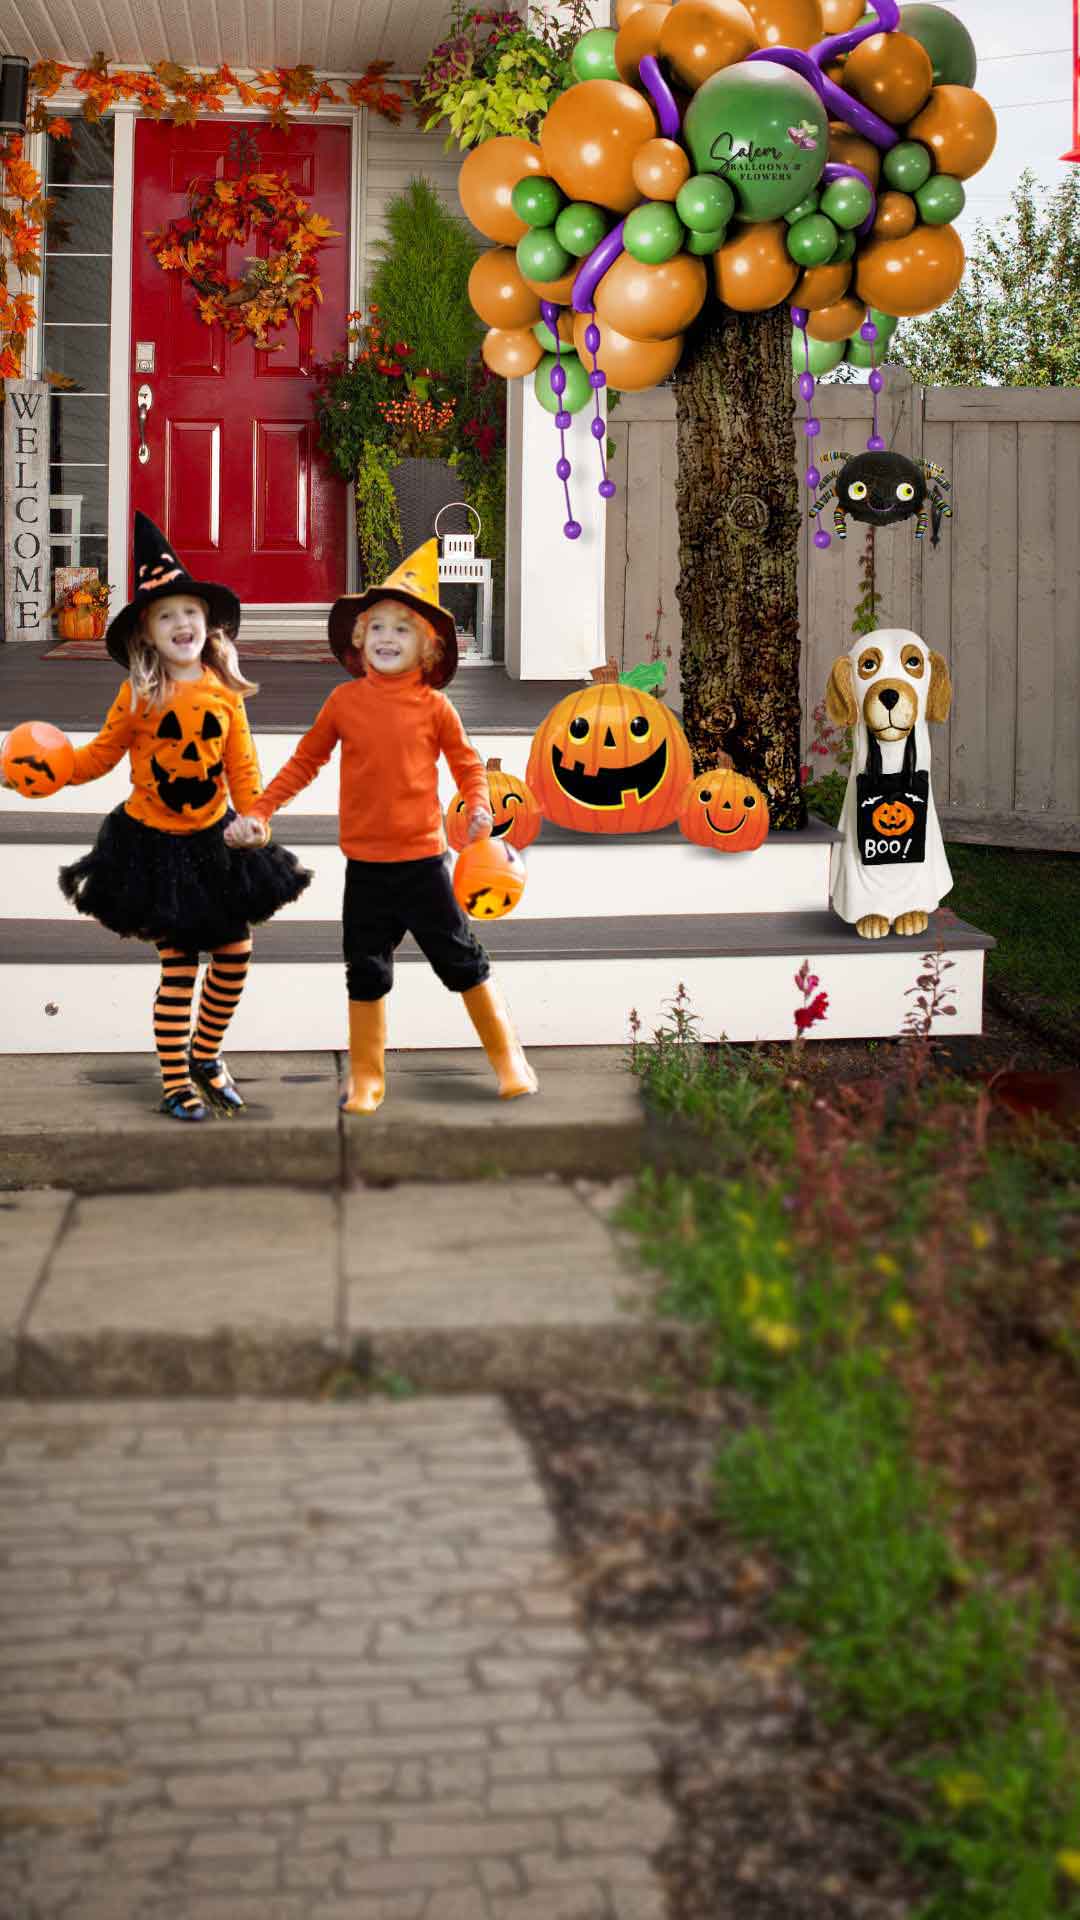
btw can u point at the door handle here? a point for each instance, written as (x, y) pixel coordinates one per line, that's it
(144, 401)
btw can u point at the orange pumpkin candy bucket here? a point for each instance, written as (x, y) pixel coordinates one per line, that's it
(38, 759)
(488, 879)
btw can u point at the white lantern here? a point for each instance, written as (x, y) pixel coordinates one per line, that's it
(461, 565)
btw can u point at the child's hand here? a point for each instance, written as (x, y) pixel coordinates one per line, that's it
(246, 831)
(4, 781)
(479, 824)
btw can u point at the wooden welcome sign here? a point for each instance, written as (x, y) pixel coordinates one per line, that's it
(27, 594)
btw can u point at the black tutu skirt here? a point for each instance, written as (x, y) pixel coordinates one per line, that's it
(188, 889)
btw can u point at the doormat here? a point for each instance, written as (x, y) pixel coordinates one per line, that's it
(312, 650)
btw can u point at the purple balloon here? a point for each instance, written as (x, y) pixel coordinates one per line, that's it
(838, 104)
(598, 429)
(806, 386)
(875, 444)
(822, 539)
(813, 477)
(572, 529)
(868, 331)
(667, 107)
(597, 379)
(799, 317)
(592, 270)
(876, 381)
(592, 337)
(811, 428)
(888, 20)
(557, 377)
(563, 468)
(549, 311)
(563, 419)
(606, 489)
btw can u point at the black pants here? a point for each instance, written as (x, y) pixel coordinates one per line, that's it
(385, 900)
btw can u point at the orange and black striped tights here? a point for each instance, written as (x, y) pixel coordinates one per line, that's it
(222, 987)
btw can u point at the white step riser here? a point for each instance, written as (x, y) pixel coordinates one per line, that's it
(564, 881)
(106, 1009)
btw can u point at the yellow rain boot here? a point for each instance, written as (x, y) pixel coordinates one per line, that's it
(367, 1046)
(489, 1014)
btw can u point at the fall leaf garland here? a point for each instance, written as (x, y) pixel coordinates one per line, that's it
(274, 289)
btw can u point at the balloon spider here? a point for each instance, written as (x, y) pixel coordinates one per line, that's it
(882, 488)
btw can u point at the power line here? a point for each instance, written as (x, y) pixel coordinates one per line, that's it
(1013, 106)
(1034, 53)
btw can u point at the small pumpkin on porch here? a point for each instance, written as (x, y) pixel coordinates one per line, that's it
(724, 810)
(517, 818)
(610, 758)
(82, 611)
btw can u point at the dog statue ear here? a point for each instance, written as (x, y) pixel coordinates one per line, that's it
(939, 698)
(840, 702)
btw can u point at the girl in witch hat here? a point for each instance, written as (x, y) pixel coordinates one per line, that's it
(160, 869)
(393, 722)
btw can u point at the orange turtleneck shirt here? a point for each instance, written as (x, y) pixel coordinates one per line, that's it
(392, 729)
(184, 755)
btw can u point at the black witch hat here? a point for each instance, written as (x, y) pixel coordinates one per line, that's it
(158, 572)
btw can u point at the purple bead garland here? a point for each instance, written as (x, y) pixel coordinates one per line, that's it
(811, 427)
(868, 332)
(598, 427)
(549, 313)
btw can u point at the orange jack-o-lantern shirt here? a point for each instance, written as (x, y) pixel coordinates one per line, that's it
(188, 757)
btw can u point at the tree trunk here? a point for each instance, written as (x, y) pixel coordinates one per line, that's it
(738, 507)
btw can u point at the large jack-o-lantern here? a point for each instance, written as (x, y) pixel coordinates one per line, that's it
(489, 879)
(609, 759)
(515, 814)
(187, 760)
(892, 818)
(724, 810)
(38, 759)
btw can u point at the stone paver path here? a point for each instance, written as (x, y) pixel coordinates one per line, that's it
(268, 1661)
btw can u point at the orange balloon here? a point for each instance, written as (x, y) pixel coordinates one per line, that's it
(896, 215)
(511, 351)
(911, 276)
(787, 23)
(839, 16)
(652, 303)
(701, 36)
(489, 174)
(660, 168)
(890, 73)
(854, 151)
(640, 35)
(589, 138)
(835, 72)
(822, 286)
(753, 269)
(838, 321)
(557, 291)
(959, 127)
(624, 8)
(499, 294)
(630, 365)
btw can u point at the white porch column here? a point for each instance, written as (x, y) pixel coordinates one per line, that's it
(554, 586)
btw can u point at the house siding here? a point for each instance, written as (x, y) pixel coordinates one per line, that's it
(392, 157)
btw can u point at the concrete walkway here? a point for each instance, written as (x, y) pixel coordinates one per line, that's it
(269, 1662)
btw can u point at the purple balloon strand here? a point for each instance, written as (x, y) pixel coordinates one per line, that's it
(838, 104)
(592, 270)
(550, 313)
(888, 20)
(598, 381)
(667, 107)
(800, 318)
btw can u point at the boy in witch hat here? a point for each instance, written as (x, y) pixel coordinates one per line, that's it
(393, 721)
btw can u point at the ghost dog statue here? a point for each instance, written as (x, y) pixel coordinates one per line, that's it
(890, 870)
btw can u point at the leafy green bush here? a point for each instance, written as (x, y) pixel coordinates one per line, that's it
(421, 285)
(493, 74)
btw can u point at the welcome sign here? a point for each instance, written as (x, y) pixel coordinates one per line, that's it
(26, 509)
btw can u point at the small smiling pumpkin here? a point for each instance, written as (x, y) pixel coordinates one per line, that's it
(489, 879)
(609, 759)
(514, 810)
(38, 759)
(724, 810)
(892, 818)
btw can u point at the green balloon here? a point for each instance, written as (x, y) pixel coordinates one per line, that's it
(540, 257)
(536, 200)
(847, 203)
(865, 353)
(594, 56)
(844, 249)
(764, 130)
(578, 390)
(907, 165)
(804, 209)
(547, 339)
(812, 241)
(653, 233)
(940, 200)
(947, 41)
(580, 227)
(704, 203)
(886, 324)
(824, 354)
(706, 242)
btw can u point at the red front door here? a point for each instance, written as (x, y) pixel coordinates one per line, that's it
(234, 477)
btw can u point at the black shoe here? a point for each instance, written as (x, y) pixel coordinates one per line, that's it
(217, 1083)
(183, 1103)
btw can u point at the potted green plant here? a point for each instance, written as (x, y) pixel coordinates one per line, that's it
(496, 73)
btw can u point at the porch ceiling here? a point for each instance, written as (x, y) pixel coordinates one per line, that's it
(337, 36)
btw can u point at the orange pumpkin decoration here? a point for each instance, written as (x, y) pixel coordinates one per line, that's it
(609, 759)
(489, 879)
(892, 817)
(724, 810)
(517, 817)
(81, 623)
(38, 759)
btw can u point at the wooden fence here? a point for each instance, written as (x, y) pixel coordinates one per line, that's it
(1000, 597)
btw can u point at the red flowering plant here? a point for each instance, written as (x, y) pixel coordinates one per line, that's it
(815, 1005)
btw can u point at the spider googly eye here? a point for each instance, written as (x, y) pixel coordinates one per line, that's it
(905, 491)
(857, 490)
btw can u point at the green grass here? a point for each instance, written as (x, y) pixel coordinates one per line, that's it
(1030, 902)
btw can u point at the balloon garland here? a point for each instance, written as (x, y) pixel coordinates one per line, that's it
(692, 145)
